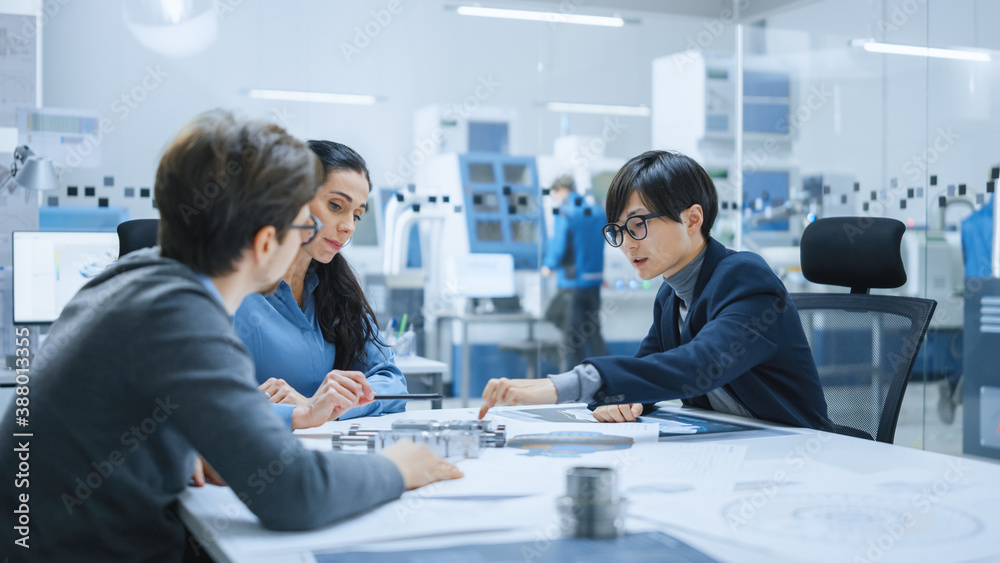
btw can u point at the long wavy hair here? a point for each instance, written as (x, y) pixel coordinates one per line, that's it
(345, 317)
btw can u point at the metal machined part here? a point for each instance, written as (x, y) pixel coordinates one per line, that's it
(591, 507)
(448, 439)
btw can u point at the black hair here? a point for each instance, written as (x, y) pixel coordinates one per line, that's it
(667, 182)
(345, 317)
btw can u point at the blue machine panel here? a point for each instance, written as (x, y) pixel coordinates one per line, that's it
(503, 207)
(488, 137)
(981, 379)
(79, 218)
(766, 103)
(771, 187)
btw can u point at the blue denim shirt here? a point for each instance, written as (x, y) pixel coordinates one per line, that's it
(286, 342)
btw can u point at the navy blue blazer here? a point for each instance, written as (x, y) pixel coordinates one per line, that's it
(742, 332)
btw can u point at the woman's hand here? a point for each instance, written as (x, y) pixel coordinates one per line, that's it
(340, 391)
(279, 391)
(204, 473)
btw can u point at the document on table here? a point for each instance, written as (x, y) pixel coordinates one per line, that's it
(551, 413)
(669, 469)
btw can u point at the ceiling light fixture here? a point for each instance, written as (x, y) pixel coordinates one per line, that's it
(895, 49)
(554, 17)
(568, 107)
(318, 97)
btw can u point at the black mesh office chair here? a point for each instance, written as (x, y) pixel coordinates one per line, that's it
(137, 234)
(864, 345)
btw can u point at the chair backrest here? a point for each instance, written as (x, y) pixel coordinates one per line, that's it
(136, 234)
(864, 345)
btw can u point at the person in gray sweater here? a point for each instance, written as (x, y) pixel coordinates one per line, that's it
(143, 371)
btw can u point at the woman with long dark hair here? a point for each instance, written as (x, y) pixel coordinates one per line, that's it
(316, 326)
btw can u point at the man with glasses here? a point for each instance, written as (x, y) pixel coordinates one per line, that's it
(576, 254)
(725, 335)
(143, 371)
(309, 231)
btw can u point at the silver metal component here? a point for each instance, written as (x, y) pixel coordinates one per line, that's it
(448, 439)
(591, 507)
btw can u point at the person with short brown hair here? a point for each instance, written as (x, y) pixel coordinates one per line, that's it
(143, 371)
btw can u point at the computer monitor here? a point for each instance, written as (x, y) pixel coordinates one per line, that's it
(50, 267)
(366, 230)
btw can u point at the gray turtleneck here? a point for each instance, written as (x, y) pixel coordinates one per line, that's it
(683, 284)
(583, 381)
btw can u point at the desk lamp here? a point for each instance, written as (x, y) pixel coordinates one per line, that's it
(30, 171)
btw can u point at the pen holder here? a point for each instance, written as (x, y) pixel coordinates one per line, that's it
(406, 345)
(591, 507)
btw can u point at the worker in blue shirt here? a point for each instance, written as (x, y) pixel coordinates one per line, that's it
(977, 241)
(317, 325)
(576, 254)
(977, 244)
(725, 334)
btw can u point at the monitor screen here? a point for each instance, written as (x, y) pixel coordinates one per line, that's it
(366, 230)
(50, 267)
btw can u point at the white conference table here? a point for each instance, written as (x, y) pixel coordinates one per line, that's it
(770, 494)
(418, 366)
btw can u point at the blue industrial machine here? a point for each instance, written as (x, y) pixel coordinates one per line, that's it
(503, 207)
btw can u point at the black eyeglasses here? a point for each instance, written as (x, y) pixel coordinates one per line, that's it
(313, 229)
(635, 225)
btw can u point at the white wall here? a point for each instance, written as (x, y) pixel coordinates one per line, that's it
(424, 55)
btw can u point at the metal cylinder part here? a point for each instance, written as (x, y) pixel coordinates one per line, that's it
(592, 484)
(591, 507)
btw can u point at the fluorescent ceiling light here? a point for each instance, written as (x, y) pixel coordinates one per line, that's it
(635, 111)
(554, 17)
(320, 97)
(894, 49)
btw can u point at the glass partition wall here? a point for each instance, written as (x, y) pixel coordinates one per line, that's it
(892, 112)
